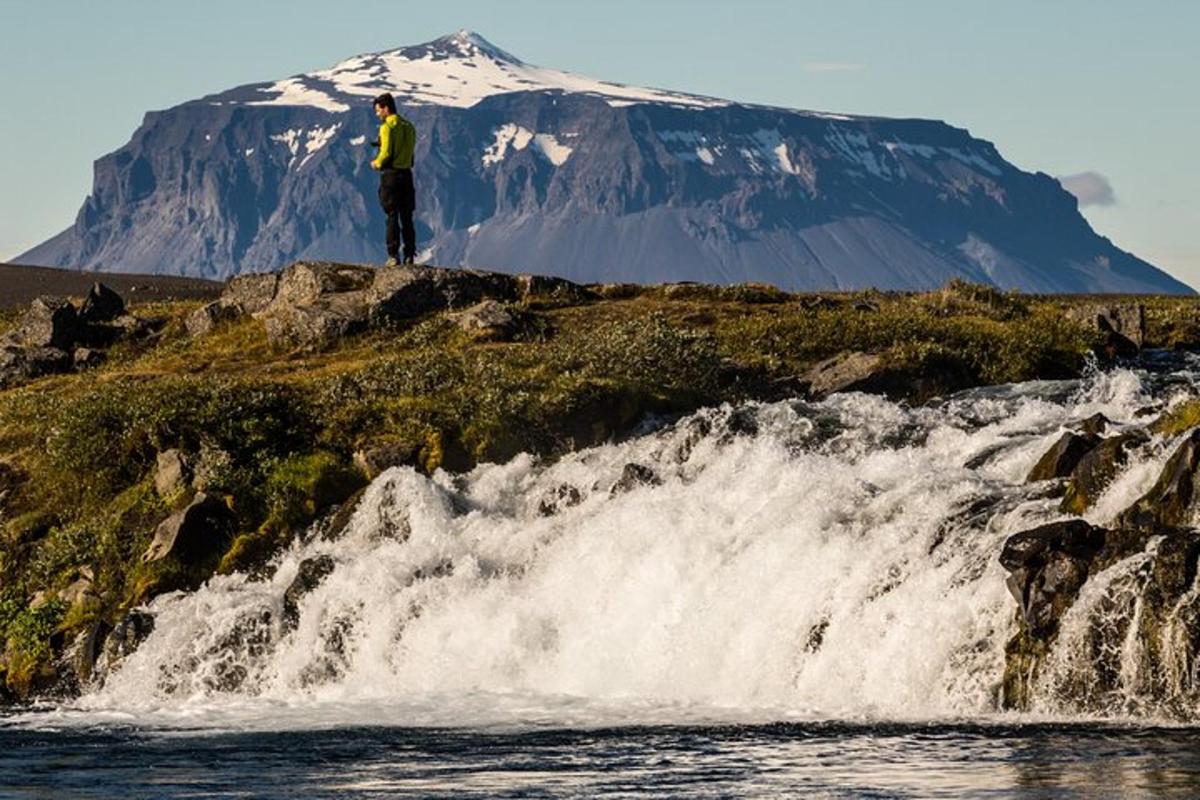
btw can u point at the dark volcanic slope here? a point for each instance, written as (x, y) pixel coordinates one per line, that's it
(20, 284)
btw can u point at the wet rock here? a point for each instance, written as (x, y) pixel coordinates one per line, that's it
(250, 294)
(1095, 425)
(81, 657)
(171, 473)
(1097, 468)
(1047, 567)
(633, 476)
(1170, 502)
(126, 636)
(102, 304)
(198, 533)
(340, 519)
(487, 320)
(50, 322)
(205, 319)
(308, 577)
(560, 497)
(1062, 457)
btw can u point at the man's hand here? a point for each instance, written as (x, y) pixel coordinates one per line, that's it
(374, 166)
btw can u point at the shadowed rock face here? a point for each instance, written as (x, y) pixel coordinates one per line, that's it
(566, 183)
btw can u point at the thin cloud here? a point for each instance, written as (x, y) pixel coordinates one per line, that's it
(1089, 188)
(832, 66)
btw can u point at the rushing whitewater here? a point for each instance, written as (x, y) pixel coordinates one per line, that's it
(828, 560)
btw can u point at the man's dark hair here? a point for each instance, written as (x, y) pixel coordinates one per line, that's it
(387, 101)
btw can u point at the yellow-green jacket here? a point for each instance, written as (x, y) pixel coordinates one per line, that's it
(397, 139)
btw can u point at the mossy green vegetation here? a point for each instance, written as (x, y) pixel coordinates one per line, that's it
(273, 433)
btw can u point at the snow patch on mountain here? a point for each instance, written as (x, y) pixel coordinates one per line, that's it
(546, 144)
(295, 92)
(458, 70)
(318, 138)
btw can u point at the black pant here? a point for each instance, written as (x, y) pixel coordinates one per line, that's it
(399, 199)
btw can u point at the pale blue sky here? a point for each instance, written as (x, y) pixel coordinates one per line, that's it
(1063, 87)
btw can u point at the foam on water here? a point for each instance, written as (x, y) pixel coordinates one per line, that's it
(788, 561)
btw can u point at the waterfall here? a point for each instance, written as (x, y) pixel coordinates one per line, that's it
(812, 560)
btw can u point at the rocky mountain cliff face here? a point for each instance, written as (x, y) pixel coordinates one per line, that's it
(522, 168)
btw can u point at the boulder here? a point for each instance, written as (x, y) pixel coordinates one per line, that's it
(1095, 425)
(844, 373)
(50, 322)
(102, 304)
(547, 288)
(1097, 468)
(87, 357)
(126, 636)
(1062, 458)
(128, 326)
(1170, 502)
(23, 363)
(171, 473)
(250, 294)
(560, 497)
(308, 577)
(204, 319)
(404, 292)
(199, 532)
(379, 455)
(487, 320)
(1123, 325)
(307, 282)
(633, 476)
(1047, 567)
(317, 324)
(80, 658)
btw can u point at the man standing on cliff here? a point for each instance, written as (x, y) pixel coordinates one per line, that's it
(397, 139)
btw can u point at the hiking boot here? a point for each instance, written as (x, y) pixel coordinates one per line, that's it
(391, 262)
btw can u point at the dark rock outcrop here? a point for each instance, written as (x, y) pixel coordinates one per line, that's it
(1047, 567)
(1063, 456)
(102, 304)
(1097, 468)
(54, 337)
(308, 577)
(1170, 502)
(633, 476)
(1122, 324)
(126, 636)
(198, 533)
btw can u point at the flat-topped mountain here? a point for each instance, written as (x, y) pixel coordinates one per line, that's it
(527, 168)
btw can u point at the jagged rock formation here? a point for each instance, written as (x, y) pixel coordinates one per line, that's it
(54, 336)
(525, 168)
(311, 304)
(1152, 603)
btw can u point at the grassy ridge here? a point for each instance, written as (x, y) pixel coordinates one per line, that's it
(275, 432)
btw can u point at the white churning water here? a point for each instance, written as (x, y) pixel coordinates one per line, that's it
(835, 560)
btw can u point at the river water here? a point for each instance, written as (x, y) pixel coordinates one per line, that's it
(787, 599)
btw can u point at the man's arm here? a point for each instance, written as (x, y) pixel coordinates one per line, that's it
(385, 147)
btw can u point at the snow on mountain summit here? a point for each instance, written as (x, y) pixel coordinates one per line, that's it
(456, 70)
